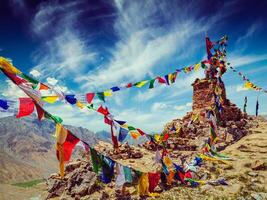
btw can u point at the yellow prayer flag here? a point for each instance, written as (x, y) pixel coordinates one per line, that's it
(124, 126)
(8, 67)
(157, 137)
(170, 77)
(141, 84)
(50, 99)
(60, 134)
(197, 66)
(108, 93)
(143, 185)
(79, 104)
(59, 148)
(167, 161)
(248, 85)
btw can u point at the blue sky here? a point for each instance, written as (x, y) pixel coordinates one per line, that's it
(83, 46)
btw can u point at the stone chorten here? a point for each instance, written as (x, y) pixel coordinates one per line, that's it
(203, 99)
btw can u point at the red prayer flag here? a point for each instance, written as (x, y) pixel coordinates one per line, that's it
(166, 136)
(103, 110)
(129, 85)
(68, 146)
(153, 179)
(89, 97)
(140, 131)
(16, 79)
(161, 80)
(26, 107)
(40, 112)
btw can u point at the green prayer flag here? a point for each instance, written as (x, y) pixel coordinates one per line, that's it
(96, 160)
(101, 96)
(151, 83)
(30, 79)
(131, 128)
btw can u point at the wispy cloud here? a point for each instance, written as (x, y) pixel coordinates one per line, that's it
(66, 51)
(240, 60)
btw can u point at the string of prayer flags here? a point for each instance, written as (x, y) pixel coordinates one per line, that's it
(6, 65)
(140, 84)
(248, 84)
(26, 107)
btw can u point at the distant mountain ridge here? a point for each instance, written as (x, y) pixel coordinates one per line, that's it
(27, 147)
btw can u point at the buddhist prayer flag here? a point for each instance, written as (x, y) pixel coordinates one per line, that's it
(101, 96)
(140, 84)
(108, 93)
(8, 67)
(107, 169)
(3, 104)
(143, 185)
(71, 99)
(40, 111)
(50, 99)
(89, 97)
(122, 134)
(43, 87)
(197, 66)
(61, 133)
(135, 135)
(129, 85)
(167, 79)
(161, 80)
(151, 83)
(153, 180)
(131, 128)
(69, 145)
(115, 89)
(31, 80)
(120, 180)
(140, 131)
(127, 174)
(103, 110)
(120, 122)
(26, 107)
(96, 160)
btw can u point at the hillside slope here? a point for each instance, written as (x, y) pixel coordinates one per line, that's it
(27, 148)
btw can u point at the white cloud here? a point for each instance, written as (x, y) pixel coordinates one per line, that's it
(66, 50)
(185, 107)
(12, 91)
(52, 81)
(35, 73)
(159, 106)
(239, 60)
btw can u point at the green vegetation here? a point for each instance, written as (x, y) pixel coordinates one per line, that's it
(28, 183)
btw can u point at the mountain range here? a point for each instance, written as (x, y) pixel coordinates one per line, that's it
(27, 147)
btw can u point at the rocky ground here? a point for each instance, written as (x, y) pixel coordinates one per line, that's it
(246, 174)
